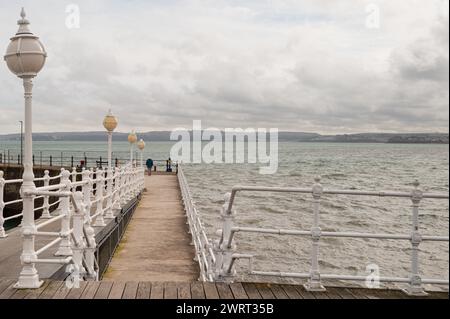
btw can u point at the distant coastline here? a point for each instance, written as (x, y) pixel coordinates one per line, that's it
(164, 136)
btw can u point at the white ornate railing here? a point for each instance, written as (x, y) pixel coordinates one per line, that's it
(105, 191)
(203, 247)
(225, 248)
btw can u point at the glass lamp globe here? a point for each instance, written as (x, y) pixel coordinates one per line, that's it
(25, 55)
(110, 122)
(141, 144)
(132, 138)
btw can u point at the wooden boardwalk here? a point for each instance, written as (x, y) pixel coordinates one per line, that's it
(156, 245)
(193, 290)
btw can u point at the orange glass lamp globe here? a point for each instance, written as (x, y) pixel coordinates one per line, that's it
(132, 138)
(141, 144)
(110, 122)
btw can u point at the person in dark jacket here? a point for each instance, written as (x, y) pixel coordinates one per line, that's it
(149, 164)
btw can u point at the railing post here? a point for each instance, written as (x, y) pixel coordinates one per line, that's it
(87, 190)
(128, 184)
(314, 283)
(415, 286)
(74, 177)
(123, 180)
(46, 205)
(78, 243)
(2, 205)
(226, 249)
(117, 185)
(91, 176)
(109, 189)
(65, 246)
(100, 182)
(89, 252)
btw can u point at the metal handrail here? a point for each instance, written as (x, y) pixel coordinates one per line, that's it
(226, 248)
(205, 255)
(76, 237)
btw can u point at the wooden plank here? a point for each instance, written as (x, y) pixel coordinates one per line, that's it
(278, 292)
(103, 290)
(197, 290)
(438, 295)
(210, 290)
(320, 294)
(170, 291)
(333, 293)
(144, 289)
(370, 293)
(291, 292)
(157, 291)
(344, 293)
(238, 291)
(117, 290)
(61, 292)
(20, 293)
(130, 290)
(49, 291)
(392, 294)
(357, 293)
(224, 291)
(304, 293)
(8, 291)
(265, 291)
(184, 290)
(90, 290)
(5, 284)
(75, 293)
(251, 290)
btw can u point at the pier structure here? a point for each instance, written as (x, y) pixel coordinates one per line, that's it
(166, 252)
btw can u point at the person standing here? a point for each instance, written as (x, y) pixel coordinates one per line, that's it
(149, 164)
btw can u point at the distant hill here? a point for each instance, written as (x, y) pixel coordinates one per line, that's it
(163, 136)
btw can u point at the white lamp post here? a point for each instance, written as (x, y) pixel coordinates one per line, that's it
(25, 57)
(132, 139)
(110, 124)
(141, 146)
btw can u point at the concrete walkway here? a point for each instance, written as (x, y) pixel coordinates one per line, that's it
(156, 245)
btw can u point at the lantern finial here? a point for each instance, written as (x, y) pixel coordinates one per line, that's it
(23, 23)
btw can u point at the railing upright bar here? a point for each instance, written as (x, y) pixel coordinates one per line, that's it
(100, 186)
(415, 286)
(46, 205)
(2, 205)
(314, 283)
(109, 190)
(65, 248)
(86, 190)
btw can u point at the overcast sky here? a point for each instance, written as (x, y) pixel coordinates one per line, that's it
(302, 65)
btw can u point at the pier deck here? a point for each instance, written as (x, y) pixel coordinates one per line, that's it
(156, 245)
(194, 290)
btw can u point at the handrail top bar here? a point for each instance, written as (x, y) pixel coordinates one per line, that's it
(13, 181)
(48, 193)
(239, 188)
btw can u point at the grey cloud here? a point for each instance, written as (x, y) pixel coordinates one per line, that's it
(294, 65)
